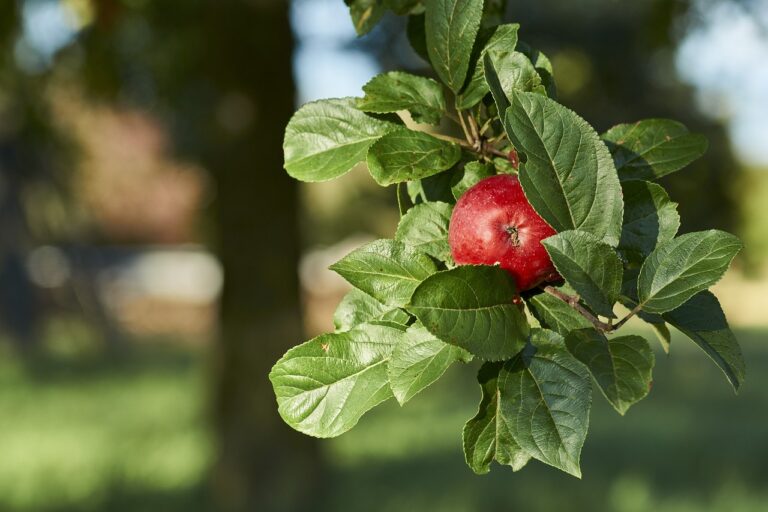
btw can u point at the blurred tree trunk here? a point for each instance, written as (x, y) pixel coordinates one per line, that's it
(263, 465)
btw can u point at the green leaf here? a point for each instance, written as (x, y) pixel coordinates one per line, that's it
(471, 307)
(622, 366)
(425, 228)
(325, 139)
(702, 320)
(554, 314)
(589, 266)
(543, 67)
(417, 36)
(396, 90)
(653, 148)
(546, 395)
(402, 7)
(365, 14)
(472, 173)
(358, 307)
(451, 27)
(406, 155)
(650, 218)
(507, 72)
(432, 188)
(679, 269)
(569, 176)
(325, 385)
(663, 335)
(418, 360)
(501, 38)
(487, 435)
(385, 269)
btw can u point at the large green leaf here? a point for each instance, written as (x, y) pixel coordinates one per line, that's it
(471, 307)
(507, 72)
(358, 307)
(451, 27)
(406, 155)
(589, 266)
(702, 319)
(500, 38)
(325, 139)
(569, 177)
(387, 270)
(325, 385)
(365, 14)
(546, 395)
(679, 269)
(650, 218)
(472, 173)
(653, 148)
(418, 360)
(622, 366)
(487, 436)
(425, 227)
(396, 90)
(554, 314)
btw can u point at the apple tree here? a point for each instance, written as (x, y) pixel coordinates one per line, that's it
(418, 308)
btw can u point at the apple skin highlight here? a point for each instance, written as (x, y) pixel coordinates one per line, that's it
(493, 223)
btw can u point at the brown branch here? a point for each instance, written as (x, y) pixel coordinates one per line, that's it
(573, 301)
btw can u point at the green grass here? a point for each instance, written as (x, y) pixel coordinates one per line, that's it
(89, 434)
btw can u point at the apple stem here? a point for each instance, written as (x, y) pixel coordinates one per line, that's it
(573, 301)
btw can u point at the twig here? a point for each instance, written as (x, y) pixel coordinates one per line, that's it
(573, 301)
(464, 128)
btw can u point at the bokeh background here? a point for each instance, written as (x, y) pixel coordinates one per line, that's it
(155, 260)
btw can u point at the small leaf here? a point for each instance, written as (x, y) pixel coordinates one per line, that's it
(402, 7)
(622, 366)
(502, 38)
(417, 36)
(425, 228)
(325, 385)
(471, 307)
(406, 155)
(506, 72)
(472, 173)
(325, 139)
(365, 14)
(451, 27)
(385, 269)
(546, 394)
(589, 266)
(554, 314)
(418, 360)
(396, 90)
(679, 269)
(569, 177)
(663, 335)
(543, 67)
(433, 188)
(702, 320)
(650, 218)
(653, 148)
(487, 437)
(358, 307)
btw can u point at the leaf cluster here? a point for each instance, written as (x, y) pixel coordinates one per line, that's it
(413, 313)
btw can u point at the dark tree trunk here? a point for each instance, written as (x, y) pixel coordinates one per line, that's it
(263, 465)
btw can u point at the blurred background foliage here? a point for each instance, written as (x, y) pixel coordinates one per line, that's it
(155, 260)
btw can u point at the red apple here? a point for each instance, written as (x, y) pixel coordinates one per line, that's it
(493, 223)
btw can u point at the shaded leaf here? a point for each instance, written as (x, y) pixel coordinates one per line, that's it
(417, 36)
(365, 14)
(385, 269)
(589, 266)
(678, 269)
(432, 188)
(621, 366)
(650, 217)
(653, 148)
(472, 173)
(702, 320)
(502, 38)
(471, 307)
(325, 139)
